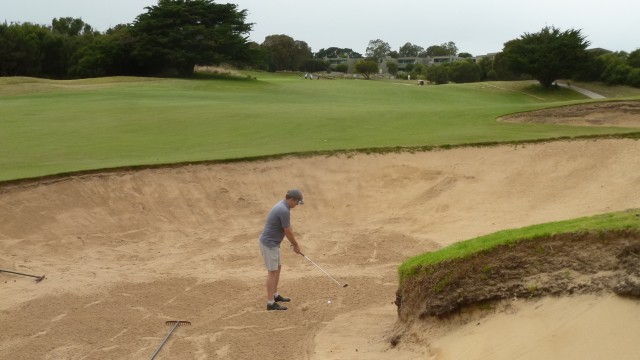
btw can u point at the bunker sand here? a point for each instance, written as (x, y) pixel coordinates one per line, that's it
(124, 252)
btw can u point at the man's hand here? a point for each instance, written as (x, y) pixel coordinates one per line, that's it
(289, 234)
(296, 248)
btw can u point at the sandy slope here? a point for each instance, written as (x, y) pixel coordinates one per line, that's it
(606, 113)
(124, 252)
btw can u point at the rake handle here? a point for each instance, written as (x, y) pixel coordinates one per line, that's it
(38, 278)
(175, 325)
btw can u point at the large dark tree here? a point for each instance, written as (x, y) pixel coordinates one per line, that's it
(21, 50)
(547, 55)
(107, 55)
(285, 53)
(68, 37)
(336, 52)
(178, 34)
(258, 57)
(593, 66)
(465, 71)
(616, 70)
(301, 55)
(438, 74)
(71, 26)
(43, 51)
(634, 58)
(501, 71)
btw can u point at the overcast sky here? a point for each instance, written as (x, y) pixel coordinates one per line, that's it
(477, 27)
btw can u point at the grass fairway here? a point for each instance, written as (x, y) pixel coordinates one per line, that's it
(49, 127)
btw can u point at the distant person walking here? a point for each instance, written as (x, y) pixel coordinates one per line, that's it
(276, 227)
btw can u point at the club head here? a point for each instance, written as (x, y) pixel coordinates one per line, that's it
(38, 279)
(345, 285)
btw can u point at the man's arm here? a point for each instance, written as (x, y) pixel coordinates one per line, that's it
(288, 232)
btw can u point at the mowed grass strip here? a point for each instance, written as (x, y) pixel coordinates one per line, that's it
(624, 220)
(51, 127)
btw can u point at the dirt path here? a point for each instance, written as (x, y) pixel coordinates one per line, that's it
(124, 252)
(585, 92)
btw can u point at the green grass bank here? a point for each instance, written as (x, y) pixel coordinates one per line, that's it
(624, 220)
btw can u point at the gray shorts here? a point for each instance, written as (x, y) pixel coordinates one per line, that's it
(271, 256)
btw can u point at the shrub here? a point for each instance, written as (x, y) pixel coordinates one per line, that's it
(616, 74)
(634, 78)
(438, 74)
(343, 68)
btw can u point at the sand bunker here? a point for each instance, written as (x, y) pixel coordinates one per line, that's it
(125, 252)
(611, 113)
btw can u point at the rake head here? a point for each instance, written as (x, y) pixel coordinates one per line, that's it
(177, 322)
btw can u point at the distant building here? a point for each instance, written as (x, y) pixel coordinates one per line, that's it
(402, 61)
(489, 56)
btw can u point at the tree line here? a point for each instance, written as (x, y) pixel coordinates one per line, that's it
(169, 39)
(173, 36)
(546, 56)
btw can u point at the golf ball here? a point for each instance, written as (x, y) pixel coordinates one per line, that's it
(328, 301)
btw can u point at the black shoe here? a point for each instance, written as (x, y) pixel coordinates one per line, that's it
(281, 298)
(275, 306)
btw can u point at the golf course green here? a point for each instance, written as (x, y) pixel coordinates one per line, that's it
(52, 127)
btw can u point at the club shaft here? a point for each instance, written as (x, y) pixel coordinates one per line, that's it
(321, 269)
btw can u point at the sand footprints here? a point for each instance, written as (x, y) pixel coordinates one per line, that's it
(374, 256)
(58, 318)
(119, 334)
(93, 303)
(241, 312)
(53, 320)
(283, 328)
(443, 185)
(38, 334)
(109, 348)
(187, 289)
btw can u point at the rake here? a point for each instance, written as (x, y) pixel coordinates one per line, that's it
(38, 278)
(175, 324)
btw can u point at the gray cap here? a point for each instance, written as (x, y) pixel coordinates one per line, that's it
(296, 194)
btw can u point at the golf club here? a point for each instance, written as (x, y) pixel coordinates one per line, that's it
(321, 269)
(38, 278)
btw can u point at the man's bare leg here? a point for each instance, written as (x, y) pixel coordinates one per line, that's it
(273, 277)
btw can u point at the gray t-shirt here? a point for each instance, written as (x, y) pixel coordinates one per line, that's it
(279, 218)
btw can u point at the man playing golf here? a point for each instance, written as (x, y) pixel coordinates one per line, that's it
(277, 226)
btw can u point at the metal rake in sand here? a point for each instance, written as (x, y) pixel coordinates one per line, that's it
(38, 278)
(175, 324)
